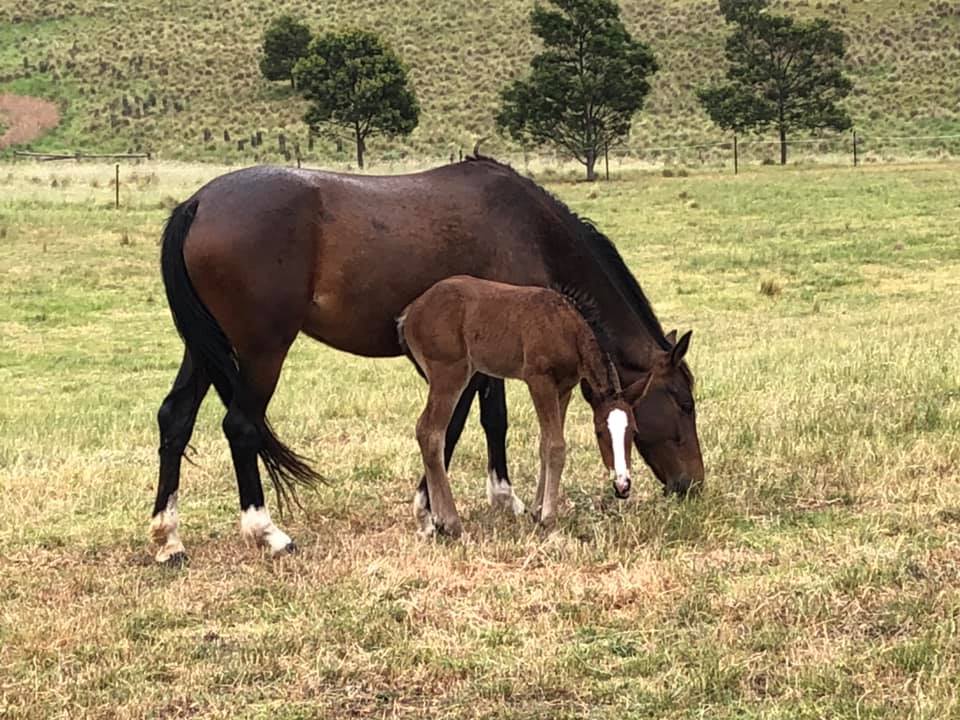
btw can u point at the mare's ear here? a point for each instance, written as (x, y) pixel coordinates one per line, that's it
(680, 349)
(672, 337)
(586, 391)
(638, 388)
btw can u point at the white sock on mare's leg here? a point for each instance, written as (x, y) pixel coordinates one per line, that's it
(257, 527)
(500, 494)
(163, 530)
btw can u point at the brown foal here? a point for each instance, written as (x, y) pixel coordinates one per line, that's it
(464, 325)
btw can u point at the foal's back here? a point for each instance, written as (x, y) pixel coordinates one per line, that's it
(503, 330)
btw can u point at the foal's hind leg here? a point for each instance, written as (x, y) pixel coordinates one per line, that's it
(176, 418)
(493, 418)
(446, 385)
(245, 428)
(421, 501)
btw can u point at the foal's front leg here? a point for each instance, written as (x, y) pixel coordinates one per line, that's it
(547, 400)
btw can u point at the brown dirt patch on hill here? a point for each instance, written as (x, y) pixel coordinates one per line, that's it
(25, 118)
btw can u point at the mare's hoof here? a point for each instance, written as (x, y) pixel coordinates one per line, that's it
(176, 561)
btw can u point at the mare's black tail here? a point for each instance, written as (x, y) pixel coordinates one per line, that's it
(211, 350)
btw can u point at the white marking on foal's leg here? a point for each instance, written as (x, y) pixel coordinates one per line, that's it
(500, 495)
(421, 512)
(617, 424)
(163, 530)
(257, 527)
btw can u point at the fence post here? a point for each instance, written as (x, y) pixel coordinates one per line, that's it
(117, 184)
(854, 148)
(606, 159)
(736, 158)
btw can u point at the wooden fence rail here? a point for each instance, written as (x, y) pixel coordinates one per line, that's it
(47, 157)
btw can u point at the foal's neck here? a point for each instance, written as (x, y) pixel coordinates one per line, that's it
(594, 364)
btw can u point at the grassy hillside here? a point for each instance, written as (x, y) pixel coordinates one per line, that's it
(152, 74)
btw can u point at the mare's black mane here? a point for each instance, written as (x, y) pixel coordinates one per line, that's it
(601, 249)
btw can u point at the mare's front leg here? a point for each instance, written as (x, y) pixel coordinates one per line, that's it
(493, 418)
(547, 400)
(440, 513)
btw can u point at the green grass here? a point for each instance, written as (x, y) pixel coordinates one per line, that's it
(142, 75)
(817, 577)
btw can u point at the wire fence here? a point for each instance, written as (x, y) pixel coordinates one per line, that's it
(854, 148)
(733, 153)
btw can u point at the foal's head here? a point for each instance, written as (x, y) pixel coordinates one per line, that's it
(615, 426)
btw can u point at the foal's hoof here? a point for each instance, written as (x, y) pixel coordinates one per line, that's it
(176, 561)
(547, 524)
(452, 528)
(289, 549)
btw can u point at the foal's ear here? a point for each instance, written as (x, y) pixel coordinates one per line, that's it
(672, 337)
(680, 349)
(638, 388)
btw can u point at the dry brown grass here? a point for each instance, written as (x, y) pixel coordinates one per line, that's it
(817, 578)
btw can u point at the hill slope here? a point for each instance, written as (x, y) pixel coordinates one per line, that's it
(153, 74)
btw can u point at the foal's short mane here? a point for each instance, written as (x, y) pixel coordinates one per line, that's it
(586, 306)
(600, 248)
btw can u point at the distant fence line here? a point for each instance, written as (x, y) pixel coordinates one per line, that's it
(857, 146)
(733, 152)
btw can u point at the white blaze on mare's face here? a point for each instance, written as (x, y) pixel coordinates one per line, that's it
(163, 529)
(256, 525)
(617, 424)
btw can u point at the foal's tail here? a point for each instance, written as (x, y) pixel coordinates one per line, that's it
(402, 339)
(211, 350)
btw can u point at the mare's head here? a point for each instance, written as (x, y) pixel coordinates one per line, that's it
(666, 420)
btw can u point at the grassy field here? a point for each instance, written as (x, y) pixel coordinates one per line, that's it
(148, 75)
(817, 578)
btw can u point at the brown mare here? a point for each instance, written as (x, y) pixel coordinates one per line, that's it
(260, 255)
(550, 340)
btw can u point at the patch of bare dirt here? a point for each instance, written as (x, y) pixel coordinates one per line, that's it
(25, 118)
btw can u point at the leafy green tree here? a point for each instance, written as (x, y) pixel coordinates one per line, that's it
(354, 80)
(284, 42)
(585, 87)
(782, 73)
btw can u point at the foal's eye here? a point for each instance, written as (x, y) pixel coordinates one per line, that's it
(686, 407)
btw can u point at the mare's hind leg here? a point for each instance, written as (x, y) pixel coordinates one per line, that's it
(245, 428)
(176, 418)
(493, 418)
(421, 501)
(446, 386)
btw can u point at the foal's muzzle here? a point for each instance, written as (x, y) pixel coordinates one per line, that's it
(621, 487)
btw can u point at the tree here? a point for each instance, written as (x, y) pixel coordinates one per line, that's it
(354, 80)
(284, 42)
(782, 73)
(585, 87)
